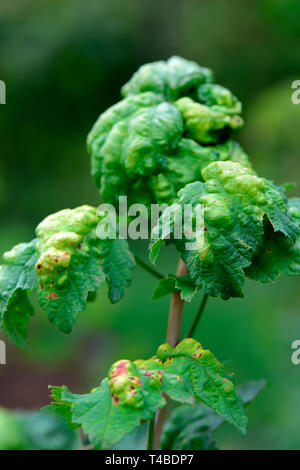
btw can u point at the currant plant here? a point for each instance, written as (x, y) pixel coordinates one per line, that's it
(169, 140)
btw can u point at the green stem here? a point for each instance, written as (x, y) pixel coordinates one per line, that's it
(148, 268)
(151, 423)
(198, 316)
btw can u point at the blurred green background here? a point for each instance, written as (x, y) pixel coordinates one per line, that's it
(63, 63)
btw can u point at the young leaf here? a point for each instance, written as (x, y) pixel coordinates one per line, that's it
(164, 287)
(60, 407)
(234, 204)
(193, 428)
(219, 98)
(172, 283)
(172, 79)
(207, 125)
(139, 147)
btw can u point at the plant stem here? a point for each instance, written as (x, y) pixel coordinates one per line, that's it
(151, 424)
(148, 268)
(197, 317)
(173, 335)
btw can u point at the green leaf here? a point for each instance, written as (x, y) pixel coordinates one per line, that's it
(234, 205)
(117, 263)
(133, 392)
(277, 254)
(164, 287)
(17, 275)
(192, 428)
(60, 407)
(16, 318)
(172, 283)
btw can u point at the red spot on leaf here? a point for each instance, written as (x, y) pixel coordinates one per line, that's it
(53, 296)
(120, 369)
(116, 400)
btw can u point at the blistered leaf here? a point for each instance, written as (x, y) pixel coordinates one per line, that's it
(219, 98)
(172, 79)
(207, 124)
(133, 392)
(74, 262)
(117, 407)
(139, 147)
(192, 428)
(232, 151)
(69, 263)
(234, 204)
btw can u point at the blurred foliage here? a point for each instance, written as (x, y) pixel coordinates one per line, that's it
(63, 63)
(35, 431)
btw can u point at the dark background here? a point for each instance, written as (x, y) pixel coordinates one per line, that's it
(63, 63)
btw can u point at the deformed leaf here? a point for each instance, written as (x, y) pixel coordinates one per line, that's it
(219, 98)
(139, 146)
(69, 263)
(207, 124)
(134, 391)
(172, 79)
(116, 407)
(74, 262)
(234, 204)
